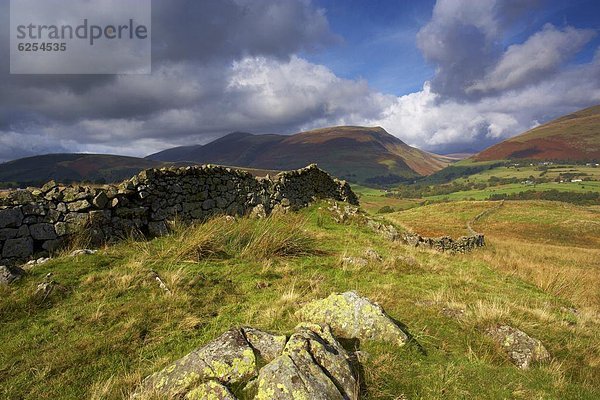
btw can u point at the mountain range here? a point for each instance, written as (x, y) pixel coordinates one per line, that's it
(359, 154)
(366, 155)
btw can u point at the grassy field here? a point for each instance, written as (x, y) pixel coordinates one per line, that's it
(372, 200)
(112, 324)
(526, 171)
(554, 245)
(577, 187)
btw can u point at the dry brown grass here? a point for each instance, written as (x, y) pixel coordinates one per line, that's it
(555, 246)
(572, 273)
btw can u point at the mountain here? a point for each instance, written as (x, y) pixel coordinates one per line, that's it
(573, 137)
(359, 154)
(99, 168)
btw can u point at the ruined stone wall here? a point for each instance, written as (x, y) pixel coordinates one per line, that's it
(463, 244)
(39, 221)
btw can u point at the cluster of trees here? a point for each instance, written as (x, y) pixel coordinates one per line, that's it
(417, 191)
(581, 198)
(387, 180)
(453, 172)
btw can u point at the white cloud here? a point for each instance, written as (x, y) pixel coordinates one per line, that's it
(428, 120)
(531, 61)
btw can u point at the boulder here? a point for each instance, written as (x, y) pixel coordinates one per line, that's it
(522, 349)
(311, 367)
(210, 390)
(353, 317)
(101, 200)
(267, 346)
(228, 359)
(10, 274)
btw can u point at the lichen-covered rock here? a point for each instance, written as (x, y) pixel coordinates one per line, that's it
(258, 212)
(311, 367)
(228, 359)
(210, 390)
(329, 354)
(268, 346)
(10, 274)
(353, 317)
(522, 349)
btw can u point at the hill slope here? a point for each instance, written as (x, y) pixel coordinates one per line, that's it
(360, 154)
(73, 167)
(109, 324)
(572, 137)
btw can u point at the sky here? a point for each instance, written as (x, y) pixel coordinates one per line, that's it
(445, 76)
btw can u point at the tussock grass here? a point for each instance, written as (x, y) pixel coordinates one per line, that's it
(264, 239)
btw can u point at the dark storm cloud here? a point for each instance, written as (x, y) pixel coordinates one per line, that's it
(211, 30)
(194, 46)
(463, 41)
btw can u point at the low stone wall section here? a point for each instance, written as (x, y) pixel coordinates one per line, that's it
(37, 221)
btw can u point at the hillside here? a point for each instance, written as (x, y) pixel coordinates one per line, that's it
(573, 137)
(100, 168)
(109, 323)
(359, 154)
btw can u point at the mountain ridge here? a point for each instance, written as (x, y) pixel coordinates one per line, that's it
(362, 154)
(572, 137)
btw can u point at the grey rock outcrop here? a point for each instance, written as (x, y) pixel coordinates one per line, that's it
(353, 317)
(267, 346)
(227, 359)
(312, 364)
(522, 349)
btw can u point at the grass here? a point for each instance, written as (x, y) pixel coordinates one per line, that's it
(578, 187)
(372, 200)
(113, 324)
(526, 171)
(554, 245)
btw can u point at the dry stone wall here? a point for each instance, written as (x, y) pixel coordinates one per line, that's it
(463, 244)
(39, 221)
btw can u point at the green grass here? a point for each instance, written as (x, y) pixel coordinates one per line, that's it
(524, 171)
(372, 200)
(577, 187)
(113, 325)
